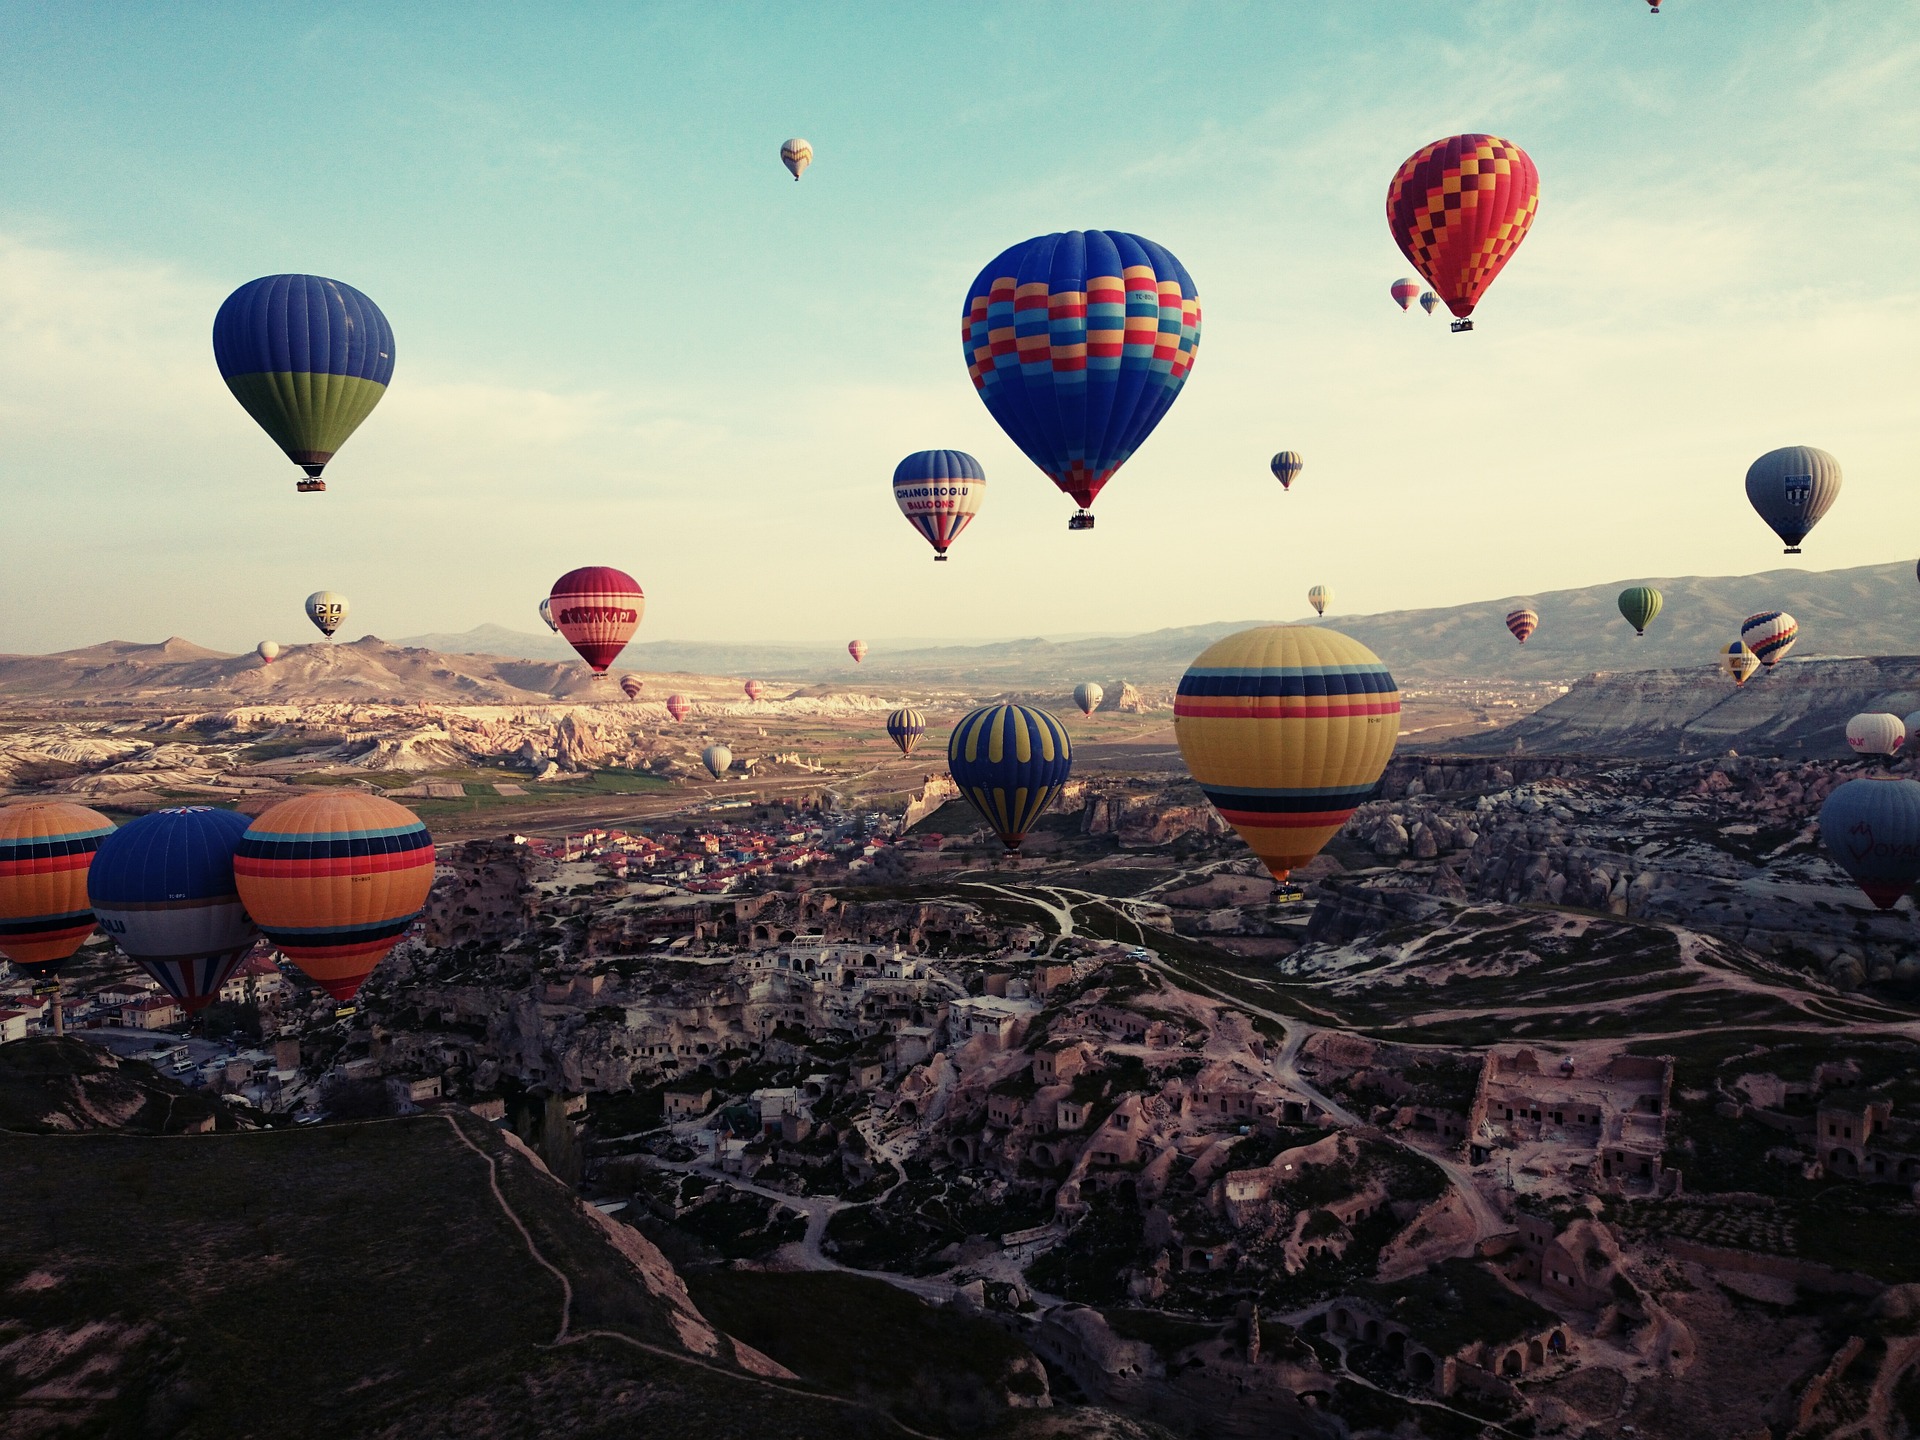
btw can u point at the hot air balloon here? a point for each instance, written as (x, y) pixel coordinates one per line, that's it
(796, 154)
(327, 611)
(334, 879)
(268, 652)
(1770, 635)
(905, 726)
(1287, 466)
(939, 491)
(1286, 729)
(1792, 488)
(596, 609)
(718, 759)
(679, 707)
(1429, 301)
(1010, 761)
(1639, 604)
(1403, 291)
(1737, 662)
(1873, 733)
(1458, 209)
(546, 613)
(857, 649)
(162, 888)
(1320, 596)
(754, 690)
(631, 686)
(1088, 697)
(1078, 343)
(1912, 724)
(46, 848)
(308, 358)
(1523, 623)
(1871, 827)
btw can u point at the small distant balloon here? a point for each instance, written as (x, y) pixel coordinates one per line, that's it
(754, 689)
(327, 611)
(1770, 635)
(718, 759)
(1088, 696)
(1523, 623)
(546, 613)
(857, 649)
(1874, 733)
(796, 154)
(631, 686)
(939, 491)
(1287, 466)
(267, 651)
(1429, 301)
(679, 707)
(1403, 291)
(1639, 604)
(1320, 596)
(1737, 662)
(1792, 488)
(905, 726)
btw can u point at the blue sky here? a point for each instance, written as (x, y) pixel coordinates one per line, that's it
(625, 337)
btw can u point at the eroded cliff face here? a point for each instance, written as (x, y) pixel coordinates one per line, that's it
(1800, 707)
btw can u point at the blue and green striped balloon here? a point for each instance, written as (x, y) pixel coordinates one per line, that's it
(308, 358)
(1010, 761)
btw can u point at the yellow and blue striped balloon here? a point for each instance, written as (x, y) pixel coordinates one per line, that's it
(1010, 761)
(1286, 729)
(905, 726)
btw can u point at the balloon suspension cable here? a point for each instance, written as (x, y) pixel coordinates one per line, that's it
(1460, 326)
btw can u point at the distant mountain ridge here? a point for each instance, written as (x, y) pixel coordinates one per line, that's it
(1865, 610)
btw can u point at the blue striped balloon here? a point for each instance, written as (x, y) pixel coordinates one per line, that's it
(162, 887)
(905, 726)
(939, 491)
(1010, 762)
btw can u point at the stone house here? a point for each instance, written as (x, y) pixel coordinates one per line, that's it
(1056, 1063)
(689, 1101)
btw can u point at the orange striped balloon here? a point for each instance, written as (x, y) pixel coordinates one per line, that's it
(334, 880)
(46, 849)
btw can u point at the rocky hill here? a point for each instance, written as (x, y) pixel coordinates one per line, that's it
(1800, 707)
(1864, 610)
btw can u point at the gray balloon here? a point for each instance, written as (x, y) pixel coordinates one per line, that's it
(1792, 488)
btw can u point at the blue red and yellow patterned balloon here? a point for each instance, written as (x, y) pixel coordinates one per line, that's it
(1287, 466)
(1078, 343)
(162, 888)
(1286, 729)
(1458, 209)
(1770, 635)
(334, 880)
(46, 849)
(905, 726)
(1010, 762)
(308, 358)
(1737, 662)
(939, 491)
(596, 609)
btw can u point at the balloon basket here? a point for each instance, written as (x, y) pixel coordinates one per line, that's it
(1080, 520)
(1791, 550)
(310, 487)
(939, 559)
(1459, 326)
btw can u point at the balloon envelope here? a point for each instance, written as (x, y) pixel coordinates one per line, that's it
(1791, 489)
(905, 726)
(46, 849)
(1429, 301)
(1639, 604)
(857, 649)
(1088, 696)
(754, 689)
(162, 888)
(596, 610)
(679, 707)
(796, 154)
(1770, 635)
(718, 759)
(1871, 828)
(1458, 209)
(1078, 343)
(1873, 733)
(1010, 762)
(327, 611)
(1286, 729)
(939, 491)
(334, 880)
(546, 613)
(268, 652)
(631, 686)
(1287, 466)
(1737, 662)
(308, 358)
(1320, 596)
(1403, 290)
(1523, 623)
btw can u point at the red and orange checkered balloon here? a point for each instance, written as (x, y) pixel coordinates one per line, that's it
(1459, 208)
